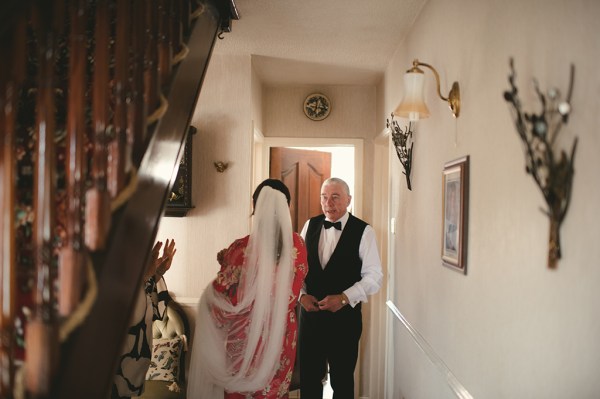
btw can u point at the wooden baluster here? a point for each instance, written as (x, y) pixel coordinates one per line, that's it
(119, 151)
(177, 28)
(151, 77)
(194, 6)
(11, 77)
(42, 330)
(136, 108)
(165, 45)
(72, 255)
(186, 17)
(7, 285)
(97, 220)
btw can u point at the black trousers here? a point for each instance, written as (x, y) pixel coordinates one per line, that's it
(329, 338)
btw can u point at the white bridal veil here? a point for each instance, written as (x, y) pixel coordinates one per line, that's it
(220, 361)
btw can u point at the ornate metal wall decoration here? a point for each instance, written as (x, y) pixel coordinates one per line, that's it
(221, 166)
(551, 170)
(404, 146)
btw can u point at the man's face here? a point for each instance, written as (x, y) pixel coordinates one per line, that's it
(334, 201)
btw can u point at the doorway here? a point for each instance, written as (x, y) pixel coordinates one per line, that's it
(303, 171)
(346, 161)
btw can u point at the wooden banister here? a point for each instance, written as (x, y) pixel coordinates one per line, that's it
(95, 80)
(133, 236)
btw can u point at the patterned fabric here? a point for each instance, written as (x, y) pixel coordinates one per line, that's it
(227, 281)
(133, 364)
(164, 365)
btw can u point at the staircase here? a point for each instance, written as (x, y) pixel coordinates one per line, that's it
(96, 98)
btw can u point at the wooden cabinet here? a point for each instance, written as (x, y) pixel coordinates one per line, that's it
(180, 196)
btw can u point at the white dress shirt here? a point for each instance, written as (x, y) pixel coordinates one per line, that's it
(371, 274)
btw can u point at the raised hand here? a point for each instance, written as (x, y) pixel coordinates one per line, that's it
(152, 262)
(164, 262)
(158, 265)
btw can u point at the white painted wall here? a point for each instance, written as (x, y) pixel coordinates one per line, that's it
(222, 201)
(352, 116)
(257, 92)
(510, 328)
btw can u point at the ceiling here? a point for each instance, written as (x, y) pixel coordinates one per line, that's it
(319, 41)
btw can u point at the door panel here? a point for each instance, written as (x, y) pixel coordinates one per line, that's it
(303, 171)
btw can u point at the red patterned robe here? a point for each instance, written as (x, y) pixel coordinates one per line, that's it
(232, 261)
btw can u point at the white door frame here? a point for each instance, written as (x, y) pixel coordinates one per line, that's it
(264, 144)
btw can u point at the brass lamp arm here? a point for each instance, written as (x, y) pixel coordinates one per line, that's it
(415, 68)
(453, 98)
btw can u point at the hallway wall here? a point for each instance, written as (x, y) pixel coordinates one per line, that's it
(510, 328)
(352, 116)
(233, 104)
(222, 201)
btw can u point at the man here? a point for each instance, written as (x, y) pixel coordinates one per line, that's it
(343, 269)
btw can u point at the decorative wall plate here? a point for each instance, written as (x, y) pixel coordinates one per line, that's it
(317, 106)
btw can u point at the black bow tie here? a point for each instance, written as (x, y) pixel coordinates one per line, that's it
(337, 225)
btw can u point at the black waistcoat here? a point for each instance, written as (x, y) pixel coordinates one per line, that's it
(344, 266)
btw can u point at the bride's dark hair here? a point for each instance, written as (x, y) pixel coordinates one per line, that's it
(274, 184)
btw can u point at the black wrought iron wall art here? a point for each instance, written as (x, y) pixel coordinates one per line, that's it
(403, 142)
(550, 167)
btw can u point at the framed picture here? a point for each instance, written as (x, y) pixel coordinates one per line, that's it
(455, 206)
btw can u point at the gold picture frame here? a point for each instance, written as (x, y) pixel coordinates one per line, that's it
(455, 205)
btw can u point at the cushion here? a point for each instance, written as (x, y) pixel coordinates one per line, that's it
(173, 323)
(164, 365)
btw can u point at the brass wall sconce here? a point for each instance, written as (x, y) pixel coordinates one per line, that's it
(221, 166)
(413, 105)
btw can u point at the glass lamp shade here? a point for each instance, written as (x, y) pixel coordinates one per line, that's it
(413, 106)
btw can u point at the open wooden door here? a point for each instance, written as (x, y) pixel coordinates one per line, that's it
(303, 171)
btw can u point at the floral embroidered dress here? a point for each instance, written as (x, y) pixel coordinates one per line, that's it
(226, 283)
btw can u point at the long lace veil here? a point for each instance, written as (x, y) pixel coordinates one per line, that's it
(220, 359)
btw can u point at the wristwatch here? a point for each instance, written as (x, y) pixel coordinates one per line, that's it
(344, 302)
